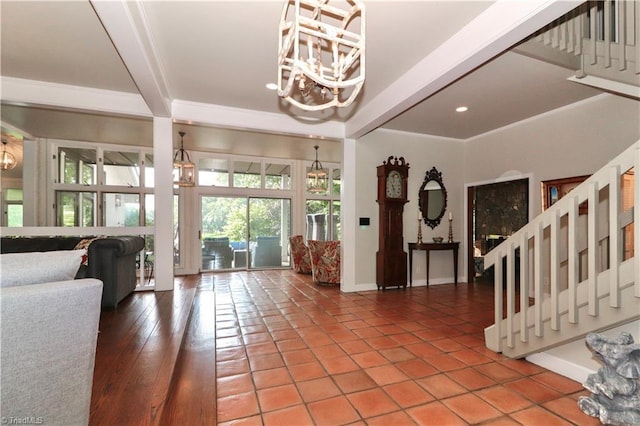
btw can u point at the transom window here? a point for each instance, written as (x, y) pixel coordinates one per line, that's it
(245, 173)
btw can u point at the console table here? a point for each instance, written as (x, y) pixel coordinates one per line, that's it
(428, 247)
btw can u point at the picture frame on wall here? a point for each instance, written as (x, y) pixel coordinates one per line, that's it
(554, 189)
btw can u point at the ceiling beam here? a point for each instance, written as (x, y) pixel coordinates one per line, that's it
(245, 119)
(126, 25)
(19, 91)
(502, 25)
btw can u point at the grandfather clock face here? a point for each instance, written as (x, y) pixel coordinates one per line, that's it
(391, 259)
(394, 184)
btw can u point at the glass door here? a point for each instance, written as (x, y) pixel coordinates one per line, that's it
(223, 233)
(224, 225)
(269, 230)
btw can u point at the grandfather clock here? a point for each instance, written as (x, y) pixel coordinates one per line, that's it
(391, 259)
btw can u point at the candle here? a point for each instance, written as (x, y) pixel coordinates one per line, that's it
(419, 215)
(450, 216)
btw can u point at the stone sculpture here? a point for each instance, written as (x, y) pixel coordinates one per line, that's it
(615, 388)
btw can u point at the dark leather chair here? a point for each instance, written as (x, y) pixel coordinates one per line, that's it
(217, 252)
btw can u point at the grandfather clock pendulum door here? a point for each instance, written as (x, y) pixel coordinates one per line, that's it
(391, 259)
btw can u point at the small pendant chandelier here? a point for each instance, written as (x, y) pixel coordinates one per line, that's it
(317, 177)
(183, 168)
(7, 159)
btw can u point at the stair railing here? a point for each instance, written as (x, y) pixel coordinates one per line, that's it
(565, 273)
(605, 32)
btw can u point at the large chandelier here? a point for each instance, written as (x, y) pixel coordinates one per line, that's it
(317, 177)
(7, 159)
(183, 168)
(321, 53)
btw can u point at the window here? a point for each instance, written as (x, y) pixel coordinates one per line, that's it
(247, 174)
(213, 172)
(77, 166)
(121, 209)
(121, 168)
(102, 185)
(76, 208)
(149, 171)
(336, 182)
(13, 207)
(277, 176)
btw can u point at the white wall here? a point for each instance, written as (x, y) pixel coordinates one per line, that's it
(571, 141)
(575, 140)
(422, 153)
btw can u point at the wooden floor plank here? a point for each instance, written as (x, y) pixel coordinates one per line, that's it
(193, 392)
(137, 349)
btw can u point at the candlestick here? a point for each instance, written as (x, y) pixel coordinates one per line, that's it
(419, 229)
(450, 229)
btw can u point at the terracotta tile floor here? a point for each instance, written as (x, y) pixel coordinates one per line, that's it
(292, 353)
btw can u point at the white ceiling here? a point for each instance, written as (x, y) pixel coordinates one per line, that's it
(224, 52)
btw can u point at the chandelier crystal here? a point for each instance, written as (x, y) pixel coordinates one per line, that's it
(7, 159)
(183, 168)
(317, 177)
(321, 57)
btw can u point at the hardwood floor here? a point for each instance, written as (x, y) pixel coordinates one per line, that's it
(138, 345)
(192, 397)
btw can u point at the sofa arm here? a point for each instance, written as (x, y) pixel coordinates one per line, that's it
(49, 334)
(113, 261)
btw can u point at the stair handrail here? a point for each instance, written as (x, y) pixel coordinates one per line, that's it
(547, 310)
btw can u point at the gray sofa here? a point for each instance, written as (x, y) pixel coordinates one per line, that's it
(111, 260)
(49, 335)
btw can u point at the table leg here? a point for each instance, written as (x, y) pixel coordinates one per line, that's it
(427, 267)
(455, 264)
(410, 268)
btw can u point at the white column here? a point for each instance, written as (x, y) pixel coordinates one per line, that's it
(348, 216)
(31, 196)
(163, 181)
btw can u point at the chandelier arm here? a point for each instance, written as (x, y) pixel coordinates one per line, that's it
(324, 41)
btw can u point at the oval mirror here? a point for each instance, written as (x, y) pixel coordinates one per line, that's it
(432, 198)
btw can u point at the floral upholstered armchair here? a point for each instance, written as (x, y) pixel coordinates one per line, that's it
(300, 254)
(325, 261)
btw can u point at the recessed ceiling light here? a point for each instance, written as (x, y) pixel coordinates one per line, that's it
(461, 109)
(272, 86)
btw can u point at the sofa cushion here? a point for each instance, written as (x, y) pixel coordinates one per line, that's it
(39, 267)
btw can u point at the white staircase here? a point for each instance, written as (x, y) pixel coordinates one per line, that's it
(573, 269)
(600, 39)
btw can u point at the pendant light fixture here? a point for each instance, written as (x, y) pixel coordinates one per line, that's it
(183, 167)
(321, 53)
(317, 177)
(7, 159)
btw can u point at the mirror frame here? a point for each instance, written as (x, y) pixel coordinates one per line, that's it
(432, 175)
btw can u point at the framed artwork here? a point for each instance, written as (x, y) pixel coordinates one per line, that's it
(555, 189)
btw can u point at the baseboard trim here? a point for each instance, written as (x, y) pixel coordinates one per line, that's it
(561, 366)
